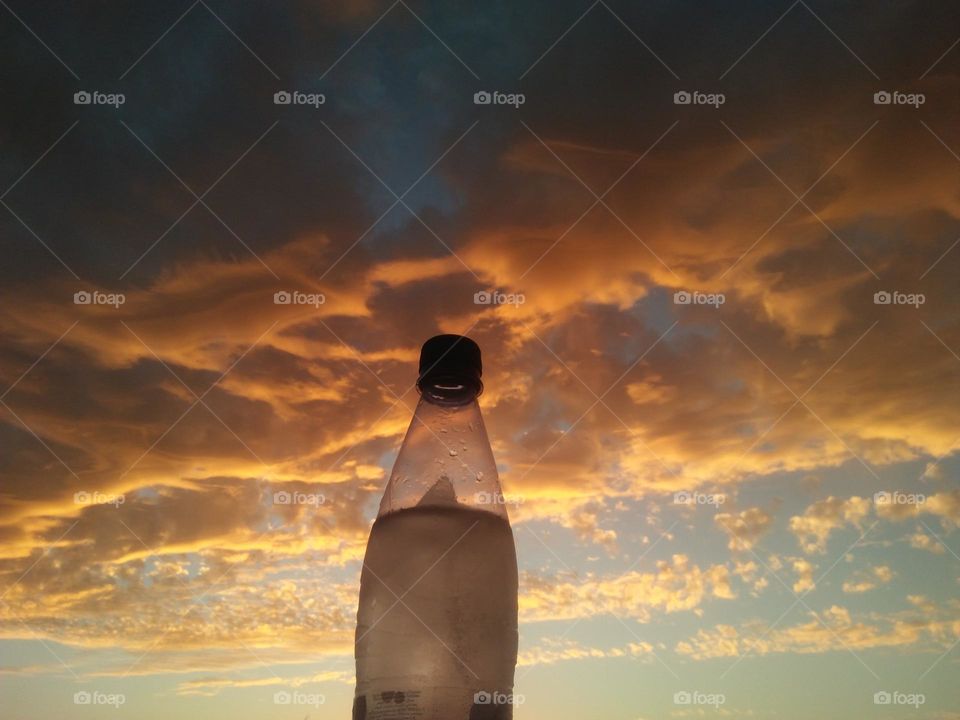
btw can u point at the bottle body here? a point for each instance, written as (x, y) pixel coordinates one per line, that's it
(437, 620)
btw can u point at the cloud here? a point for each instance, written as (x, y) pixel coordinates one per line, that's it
(744, 528)
(922, 540)
(677, 585)
(833, 629)
(212, 686)
(316, 398)
(804, 582)
(750, 573)
(551, 652)
(813, 528)
(867, 580)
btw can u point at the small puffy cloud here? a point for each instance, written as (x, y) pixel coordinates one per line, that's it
(804, 571)
(813, 528)
(866, 580)
(750, 573)
(744, 528)
(946, 505)
(922, 540)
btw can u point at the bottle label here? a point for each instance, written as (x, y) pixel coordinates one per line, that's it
(389, 705)
(434, 704)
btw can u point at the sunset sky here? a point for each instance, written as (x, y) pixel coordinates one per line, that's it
(144, 434)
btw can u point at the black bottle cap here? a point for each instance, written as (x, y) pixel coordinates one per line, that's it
(450, 359)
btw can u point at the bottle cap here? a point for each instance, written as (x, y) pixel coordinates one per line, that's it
(450, 359)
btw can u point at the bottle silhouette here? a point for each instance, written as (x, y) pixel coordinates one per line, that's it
(437, 620)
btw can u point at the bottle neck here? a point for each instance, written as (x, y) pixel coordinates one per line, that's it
(449, 391)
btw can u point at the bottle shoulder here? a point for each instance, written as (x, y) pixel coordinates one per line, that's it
(445, 461)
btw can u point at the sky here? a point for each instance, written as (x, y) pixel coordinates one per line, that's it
(708, 249)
